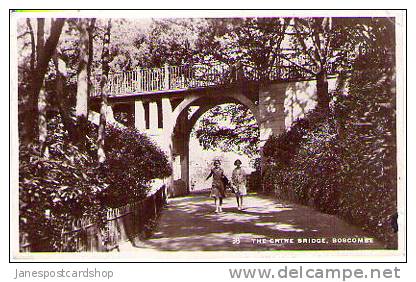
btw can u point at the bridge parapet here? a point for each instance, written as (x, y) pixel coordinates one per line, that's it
(143, 80)
(147, 80)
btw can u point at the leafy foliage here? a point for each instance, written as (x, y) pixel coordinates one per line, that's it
(54, 191)
(279, 151)
(230, 127)
(174, 41)
(70, 184)
(345, 164)
(132, 162)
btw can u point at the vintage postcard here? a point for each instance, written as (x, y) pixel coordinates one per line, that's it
(208, 135)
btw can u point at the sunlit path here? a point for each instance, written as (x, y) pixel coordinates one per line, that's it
(189, 223)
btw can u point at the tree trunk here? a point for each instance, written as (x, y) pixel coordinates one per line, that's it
(28, 132)
(42, 123)
(69, 125)
(41, 101)
(40, 39)
(81, 108)
(101, 130)
(322, 90)
(32, 115)
(33, 46)
(44, 54)
(103, 87)
(91, 29)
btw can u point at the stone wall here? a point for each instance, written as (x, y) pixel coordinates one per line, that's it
(280, 104)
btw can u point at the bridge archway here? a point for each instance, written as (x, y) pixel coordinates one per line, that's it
(184, 122)
(163, 114)
(234, 97)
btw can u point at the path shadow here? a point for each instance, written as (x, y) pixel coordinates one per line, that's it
(190, 223)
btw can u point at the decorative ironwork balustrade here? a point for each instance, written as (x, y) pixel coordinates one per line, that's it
(168, 78)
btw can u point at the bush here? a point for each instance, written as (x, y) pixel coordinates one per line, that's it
(369, 148)
(55, 190)
(344, 163)
(279, 151)
(132, 161)
(70, 184)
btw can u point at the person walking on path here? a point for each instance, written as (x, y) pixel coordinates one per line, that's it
(218, 188)
(238, 180)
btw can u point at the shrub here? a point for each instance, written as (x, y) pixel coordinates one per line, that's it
(344, 163)
(368, 140)
(55, 190)
(132, 161)
(279, 151)
(70, 184)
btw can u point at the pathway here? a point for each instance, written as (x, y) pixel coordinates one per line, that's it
(190, 224)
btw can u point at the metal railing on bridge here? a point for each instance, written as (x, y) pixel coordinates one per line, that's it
(144, 80)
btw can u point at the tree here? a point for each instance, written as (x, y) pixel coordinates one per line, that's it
(105, 56)
(44, 52)
(86, 49)
(33, 47)
(255, 44)
(28, 133)
(41, 103)
(61, 98)
(240, 136)
(71, 184)
(174, 41)
(313, 38)
(90, 30)
(344, 161)
(81, 108)
(325, 45)
(310, 47)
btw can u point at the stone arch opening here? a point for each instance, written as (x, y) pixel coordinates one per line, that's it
(182, 125)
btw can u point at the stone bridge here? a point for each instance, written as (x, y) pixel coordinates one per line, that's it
(157, 102)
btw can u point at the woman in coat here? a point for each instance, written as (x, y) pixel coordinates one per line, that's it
(238, 180)
(218, 188)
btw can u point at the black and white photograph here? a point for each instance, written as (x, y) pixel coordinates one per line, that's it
(265, 134)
